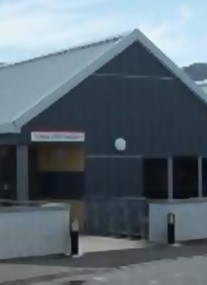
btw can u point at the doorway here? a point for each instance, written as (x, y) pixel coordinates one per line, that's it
(57, 171)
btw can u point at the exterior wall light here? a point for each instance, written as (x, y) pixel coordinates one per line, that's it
(120, 144)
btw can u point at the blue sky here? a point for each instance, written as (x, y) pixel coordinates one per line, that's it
(31, 28)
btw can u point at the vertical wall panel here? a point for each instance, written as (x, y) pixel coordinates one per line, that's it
(114, 177)
(22, 173)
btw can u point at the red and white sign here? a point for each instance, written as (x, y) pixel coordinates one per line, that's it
(57, 137)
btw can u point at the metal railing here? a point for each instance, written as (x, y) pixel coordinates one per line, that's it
(115, 216)
(127, 216)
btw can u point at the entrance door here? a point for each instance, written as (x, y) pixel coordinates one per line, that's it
(60, 169)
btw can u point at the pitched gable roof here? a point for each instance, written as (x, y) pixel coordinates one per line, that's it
(28, 88)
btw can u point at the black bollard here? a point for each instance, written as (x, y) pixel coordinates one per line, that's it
(74, 235)
(171, 228)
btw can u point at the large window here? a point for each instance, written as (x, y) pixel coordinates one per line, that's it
(185, 177)
(155, 178)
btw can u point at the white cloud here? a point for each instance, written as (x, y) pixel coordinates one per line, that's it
(38, 24)
(169, 34)
(34, 27)
(165, 36)
(185, 13)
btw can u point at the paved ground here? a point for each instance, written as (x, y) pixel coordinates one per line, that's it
(54, 269)
(11, 274)
(124, 257)
(183, 271)
(162, 265)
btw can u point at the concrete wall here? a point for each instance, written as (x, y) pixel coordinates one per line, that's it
(190, 220)
(34, 231)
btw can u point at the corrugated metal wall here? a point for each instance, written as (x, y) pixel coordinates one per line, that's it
(114, 177)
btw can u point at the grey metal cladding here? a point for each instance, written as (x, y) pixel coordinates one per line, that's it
(156, 117)
(112, 177)
(26, 84)
(141, 62)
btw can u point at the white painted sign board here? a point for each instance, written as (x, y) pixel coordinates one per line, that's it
(57, 136)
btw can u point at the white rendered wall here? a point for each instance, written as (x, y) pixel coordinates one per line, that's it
(190, 220)
(34, 231)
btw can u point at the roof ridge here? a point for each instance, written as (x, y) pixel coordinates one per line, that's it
(70, 49)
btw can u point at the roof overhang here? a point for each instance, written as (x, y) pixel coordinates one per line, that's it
(9, 128)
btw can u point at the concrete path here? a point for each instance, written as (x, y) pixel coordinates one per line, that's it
(99, 244)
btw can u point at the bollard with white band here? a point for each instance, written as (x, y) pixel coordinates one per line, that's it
(74, 234)
(171, 228)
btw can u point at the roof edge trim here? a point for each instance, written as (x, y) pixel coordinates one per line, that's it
(9, 128)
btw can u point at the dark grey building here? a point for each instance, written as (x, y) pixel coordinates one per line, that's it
(111, 118)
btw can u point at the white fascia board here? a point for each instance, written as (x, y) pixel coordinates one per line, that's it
(9, 128)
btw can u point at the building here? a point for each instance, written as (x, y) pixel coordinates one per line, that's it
(62, 117)
(203, 85)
